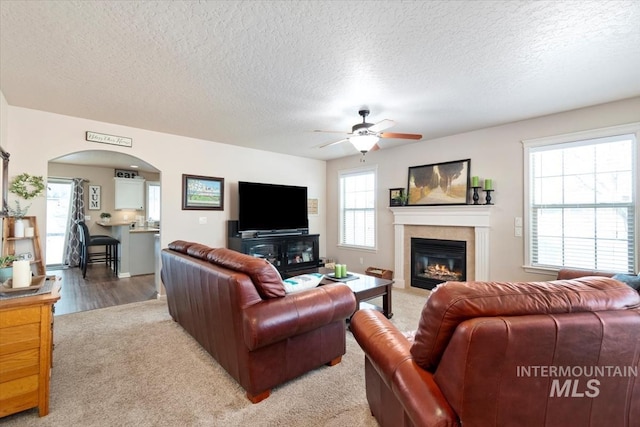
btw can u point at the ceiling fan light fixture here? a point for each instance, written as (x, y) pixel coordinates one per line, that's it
(364, 143)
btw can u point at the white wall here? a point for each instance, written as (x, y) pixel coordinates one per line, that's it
(496, 153)
(35, 137)
(4, 131)
(4, 121)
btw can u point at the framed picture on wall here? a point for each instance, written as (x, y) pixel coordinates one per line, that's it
(396, 197)
(439, 183)
(94, 198)
(202, 193)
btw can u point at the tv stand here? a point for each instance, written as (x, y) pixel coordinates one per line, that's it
(290, 251)
(278, 233)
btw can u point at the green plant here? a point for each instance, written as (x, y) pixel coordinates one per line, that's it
(26, 187)
(7, 260)
(104, 215)
(19, 212)
(402, 198)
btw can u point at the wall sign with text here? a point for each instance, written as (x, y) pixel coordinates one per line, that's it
(103, 138)
(94, 198)
(123, 173)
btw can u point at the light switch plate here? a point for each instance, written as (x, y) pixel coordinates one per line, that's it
(202, 220)
(87, 217)
(518, 221)
(518, 231)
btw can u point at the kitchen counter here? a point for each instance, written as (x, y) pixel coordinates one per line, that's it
(144, 230)
(132, 229)
(137, 253)
(114, 224)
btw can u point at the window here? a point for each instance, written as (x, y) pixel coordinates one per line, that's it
(153, 201)
(358, 208)
(582, 201)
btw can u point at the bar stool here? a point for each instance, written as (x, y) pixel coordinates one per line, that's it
(109, 255)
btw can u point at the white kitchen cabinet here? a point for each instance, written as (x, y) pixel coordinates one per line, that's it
(129, 193)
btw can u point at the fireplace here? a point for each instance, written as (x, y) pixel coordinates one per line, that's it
(434, 261)
(470, 223)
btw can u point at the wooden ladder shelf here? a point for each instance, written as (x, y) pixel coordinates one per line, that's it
(32, 245)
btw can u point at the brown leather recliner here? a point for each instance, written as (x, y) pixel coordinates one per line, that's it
(235, 306)
(558, 353)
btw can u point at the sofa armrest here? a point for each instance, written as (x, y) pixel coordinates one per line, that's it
(273, 320)
(388, 351)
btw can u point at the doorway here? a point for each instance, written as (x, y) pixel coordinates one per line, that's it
(58, 204)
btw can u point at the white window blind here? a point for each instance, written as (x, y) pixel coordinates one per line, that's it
(582, 204)
(357, 208)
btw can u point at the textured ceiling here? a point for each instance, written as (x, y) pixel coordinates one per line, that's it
(265, 74)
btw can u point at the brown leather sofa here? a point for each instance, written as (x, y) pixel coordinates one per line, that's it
(574, 273)
(508, 354)
(235, 306)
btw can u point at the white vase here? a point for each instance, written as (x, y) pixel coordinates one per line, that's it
(18, 228)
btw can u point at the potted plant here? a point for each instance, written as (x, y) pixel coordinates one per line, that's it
(6, 269)
(401, 198)
(27, 187)
(105, 216)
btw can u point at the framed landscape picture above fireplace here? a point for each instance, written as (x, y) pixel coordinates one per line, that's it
(439, 184)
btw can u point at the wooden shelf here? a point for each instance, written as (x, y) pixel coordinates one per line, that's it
(9, 242)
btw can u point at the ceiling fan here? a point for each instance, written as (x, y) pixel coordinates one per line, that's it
(365, 136)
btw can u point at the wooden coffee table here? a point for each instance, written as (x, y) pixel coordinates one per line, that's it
(365, 288)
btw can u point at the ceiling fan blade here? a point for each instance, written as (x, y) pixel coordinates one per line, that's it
(376, 147)
(332, 143)
(385, 124)
(331, 131)
(400, 135)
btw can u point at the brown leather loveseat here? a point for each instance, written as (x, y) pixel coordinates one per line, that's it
(559, 353)
(235, 306)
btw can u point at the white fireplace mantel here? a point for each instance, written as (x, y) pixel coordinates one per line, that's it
(476, 216)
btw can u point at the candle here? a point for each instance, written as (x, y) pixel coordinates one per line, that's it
(488, 184)
(21, 274)
(475, 181)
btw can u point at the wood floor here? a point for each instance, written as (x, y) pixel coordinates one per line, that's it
(100, 289)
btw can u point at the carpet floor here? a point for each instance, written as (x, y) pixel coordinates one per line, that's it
(132, 365)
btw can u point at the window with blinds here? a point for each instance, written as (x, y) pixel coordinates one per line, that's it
(357, 208)
(582, 204)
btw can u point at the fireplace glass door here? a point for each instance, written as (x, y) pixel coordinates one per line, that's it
(435, 261)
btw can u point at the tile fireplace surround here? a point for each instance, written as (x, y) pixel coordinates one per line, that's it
(464, 222)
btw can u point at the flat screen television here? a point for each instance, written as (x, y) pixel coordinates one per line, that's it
(271, 207)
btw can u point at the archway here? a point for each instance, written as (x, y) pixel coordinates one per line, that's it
(98, 168)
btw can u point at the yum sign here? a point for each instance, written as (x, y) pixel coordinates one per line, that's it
(94, 197)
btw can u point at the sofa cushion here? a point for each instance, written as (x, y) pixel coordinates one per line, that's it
(199, 251)
(180, 246)
(264, 275)
(451, 303)
(196, 250)
(629, 279)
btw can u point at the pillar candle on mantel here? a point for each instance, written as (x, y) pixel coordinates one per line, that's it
(488, 184)
(21, 274)
(475, 181)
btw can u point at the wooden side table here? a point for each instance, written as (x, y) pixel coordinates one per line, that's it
(26, 345)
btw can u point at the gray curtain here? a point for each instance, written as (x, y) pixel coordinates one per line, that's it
(72, 250)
